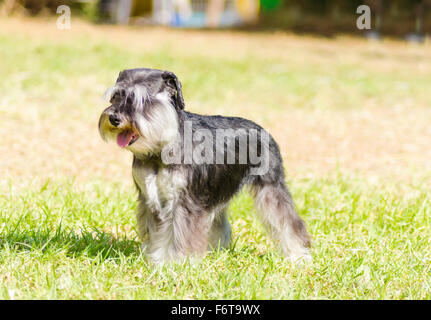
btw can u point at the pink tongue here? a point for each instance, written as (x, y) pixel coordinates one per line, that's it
(124, 138)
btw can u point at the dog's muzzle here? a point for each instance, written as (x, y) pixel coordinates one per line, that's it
(112, 127)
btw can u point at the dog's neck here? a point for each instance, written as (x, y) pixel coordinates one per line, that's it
(147, 158)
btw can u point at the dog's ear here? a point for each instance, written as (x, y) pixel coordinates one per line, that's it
(122, 75)
(172, 81)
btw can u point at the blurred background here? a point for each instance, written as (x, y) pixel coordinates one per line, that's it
(396, 18)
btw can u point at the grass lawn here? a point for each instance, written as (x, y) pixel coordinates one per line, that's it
(351, 117)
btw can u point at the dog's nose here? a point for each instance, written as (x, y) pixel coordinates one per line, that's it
(114, 120)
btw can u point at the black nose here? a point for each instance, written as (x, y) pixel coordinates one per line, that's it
(113, 119)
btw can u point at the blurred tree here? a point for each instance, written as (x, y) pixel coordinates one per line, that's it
(270, 5)
(35, 7)
(396, 17)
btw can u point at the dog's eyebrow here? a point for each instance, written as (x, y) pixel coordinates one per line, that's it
(135, 91)
(109, 93)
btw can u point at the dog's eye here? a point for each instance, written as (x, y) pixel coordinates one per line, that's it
(115, 97)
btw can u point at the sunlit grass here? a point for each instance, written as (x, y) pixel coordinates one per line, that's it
(62, 241)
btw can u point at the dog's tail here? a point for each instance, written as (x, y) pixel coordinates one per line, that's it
(278, 214)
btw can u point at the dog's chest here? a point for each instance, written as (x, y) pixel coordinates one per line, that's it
(158, 185)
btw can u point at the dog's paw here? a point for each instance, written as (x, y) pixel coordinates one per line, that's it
(144, 246)
(301, 259)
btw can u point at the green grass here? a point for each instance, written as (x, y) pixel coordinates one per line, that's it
(61, 240)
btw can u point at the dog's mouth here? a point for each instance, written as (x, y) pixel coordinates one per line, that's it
(126, 138)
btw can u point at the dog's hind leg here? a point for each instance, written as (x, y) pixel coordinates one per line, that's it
(220, 232)
(277, 211)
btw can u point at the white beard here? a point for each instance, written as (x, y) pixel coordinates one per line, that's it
(158, 129)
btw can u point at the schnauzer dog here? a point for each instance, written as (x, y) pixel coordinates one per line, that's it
(187, 167)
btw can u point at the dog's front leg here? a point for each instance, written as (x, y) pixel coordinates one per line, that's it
(177, 234)
(142, 215)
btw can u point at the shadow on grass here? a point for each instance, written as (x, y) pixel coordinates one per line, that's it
(94, 244)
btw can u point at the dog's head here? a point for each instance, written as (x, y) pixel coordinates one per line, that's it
(143, 115)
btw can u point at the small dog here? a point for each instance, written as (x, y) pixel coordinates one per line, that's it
(184, 182)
